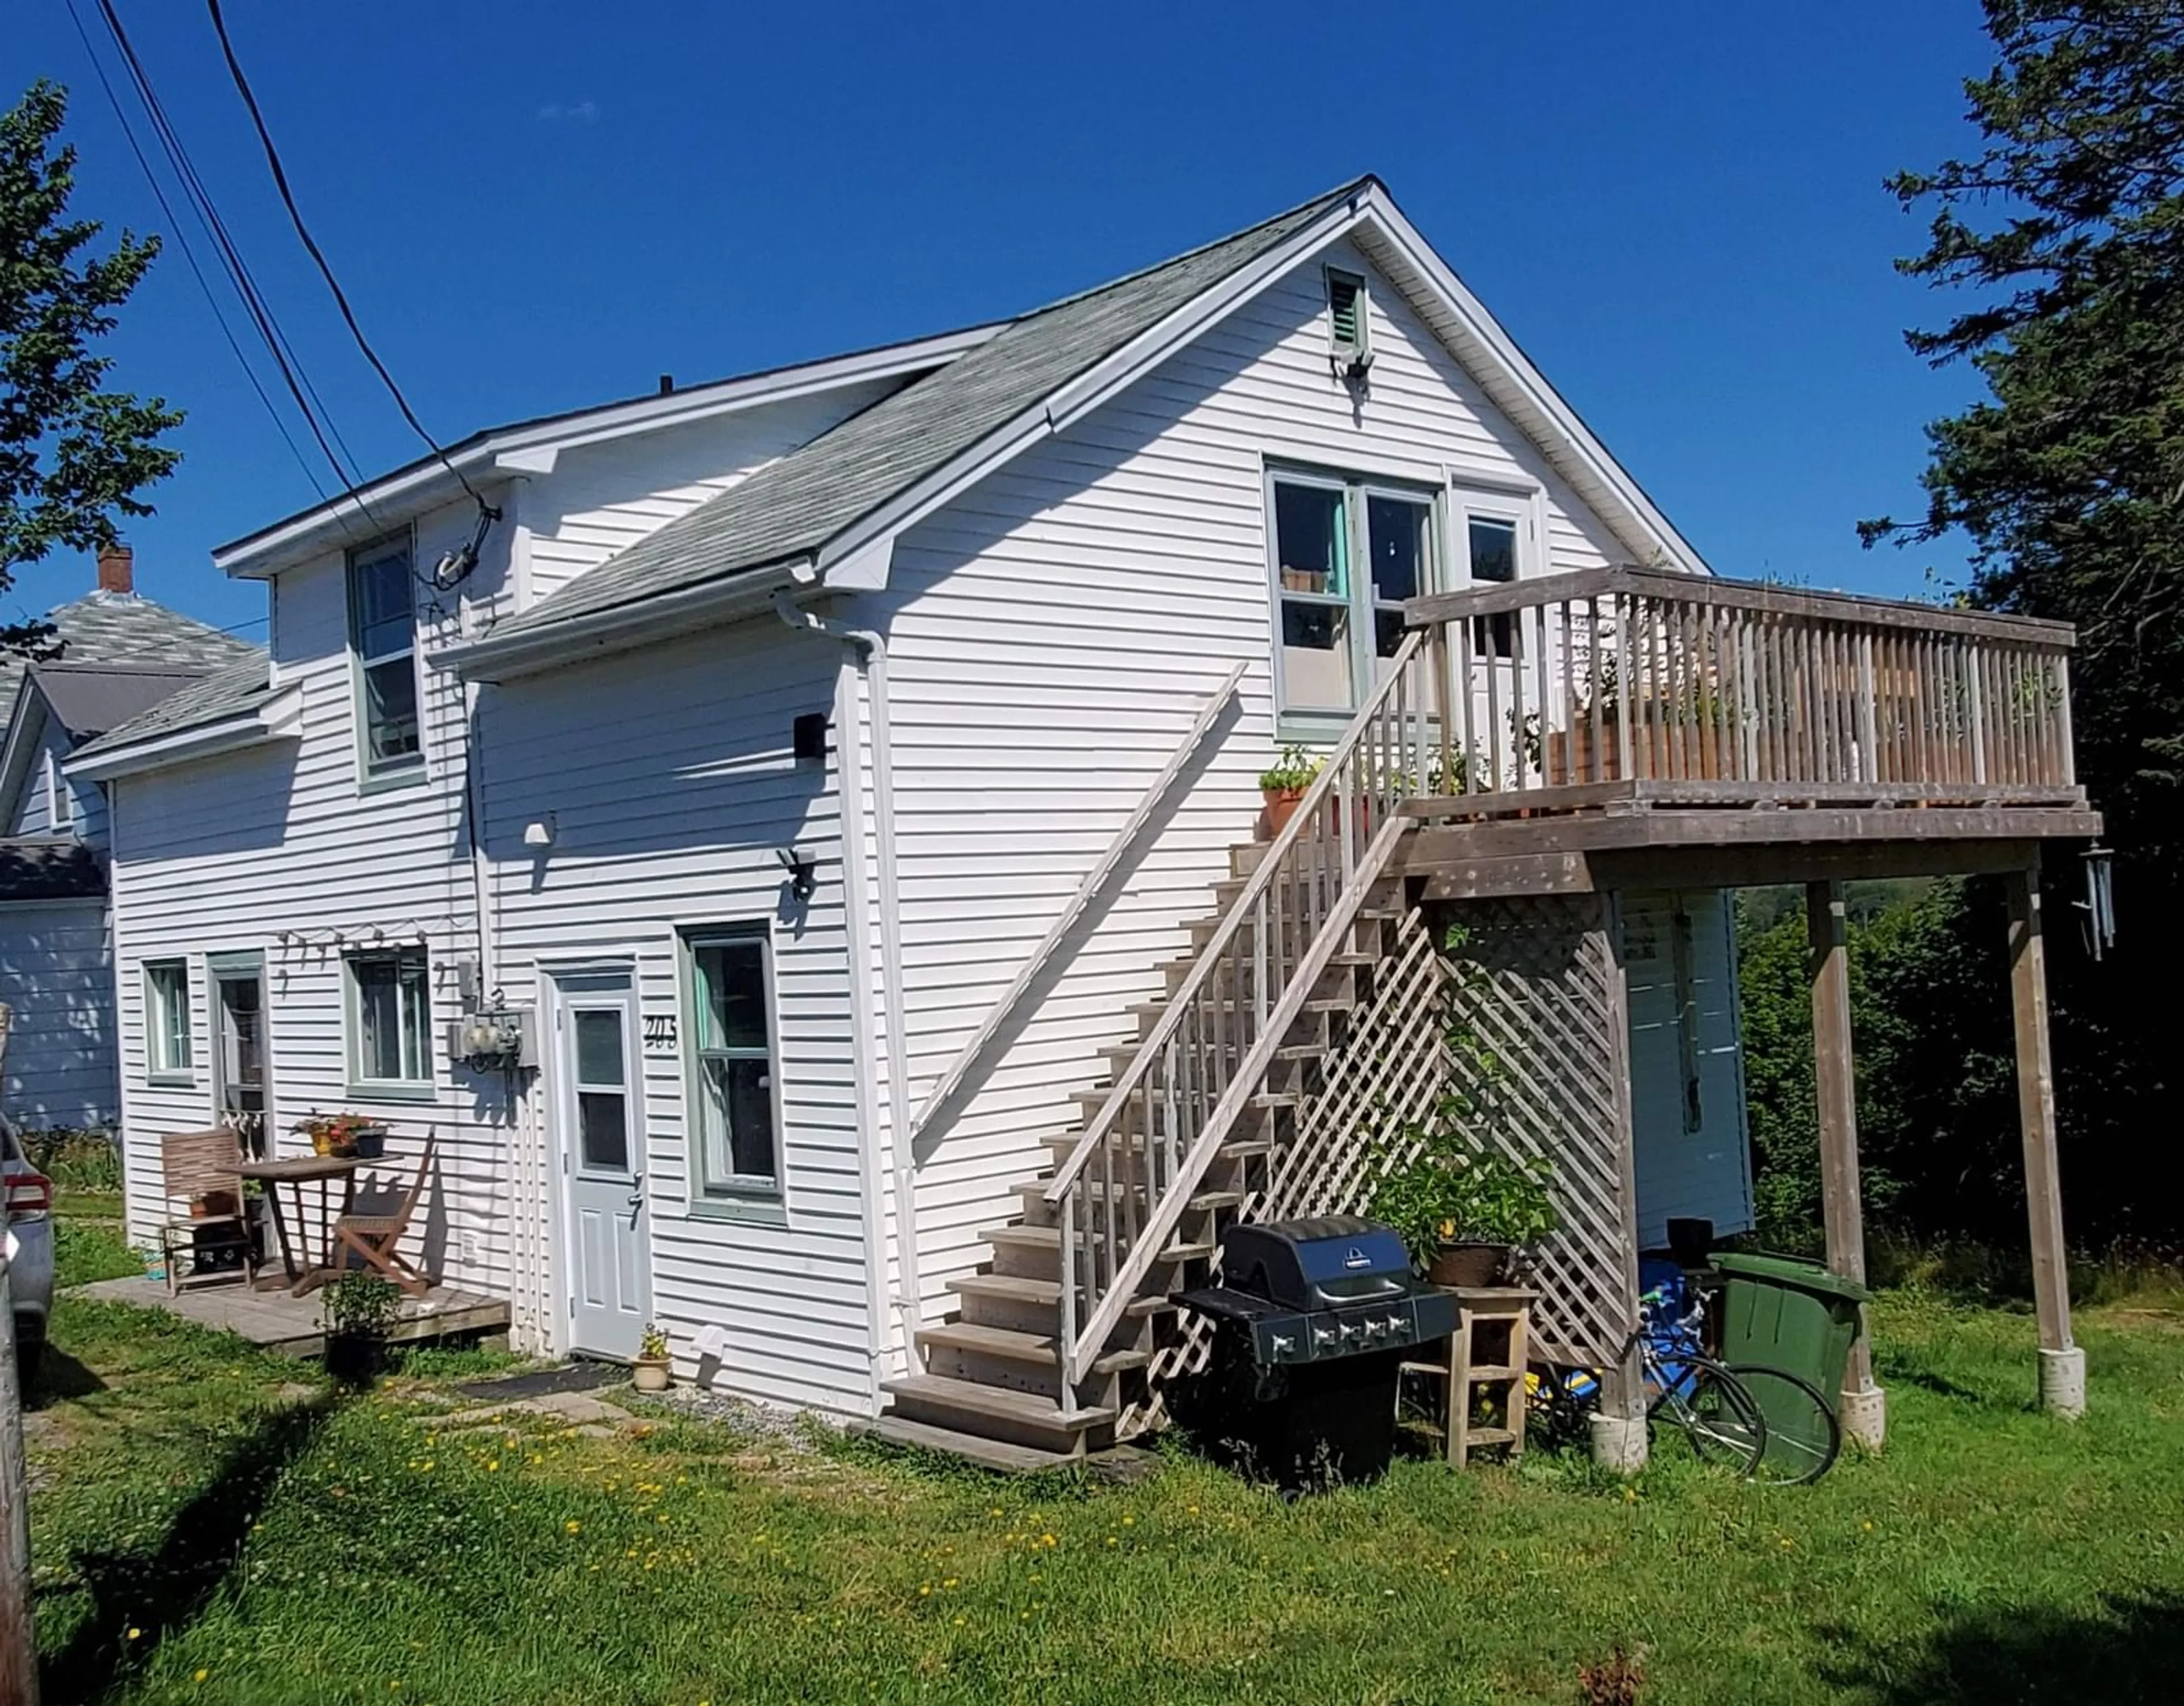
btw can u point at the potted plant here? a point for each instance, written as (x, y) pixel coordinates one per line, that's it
(359, 1312)
(654, 1367)
(1283, 784)
(344, 1134)
(1463, 1212)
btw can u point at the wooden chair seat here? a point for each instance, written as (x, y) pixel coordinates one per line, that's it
(195, 1165)
(374, 1238)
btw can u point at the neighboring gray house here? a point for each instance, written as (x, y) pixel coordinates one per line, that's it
(116, 655)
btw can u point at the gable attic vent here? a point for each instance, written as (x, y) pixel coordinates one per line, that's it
(1347, 356)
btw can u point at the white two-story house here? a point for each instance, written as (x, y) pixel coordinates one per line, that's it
(827, 771)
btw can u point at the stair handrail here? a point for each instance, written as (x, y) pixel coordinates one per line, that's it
(952, 1080)
(1380, 756)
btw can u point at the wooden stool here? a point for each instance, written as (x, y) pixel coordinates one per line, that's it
(1488, 1350)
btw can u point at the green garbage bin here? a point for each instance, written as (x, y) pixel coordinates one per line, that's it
(1778, 1312)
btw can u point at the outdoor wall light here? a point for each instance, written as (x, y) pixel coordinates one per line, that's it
(538, 833)
(802, 865)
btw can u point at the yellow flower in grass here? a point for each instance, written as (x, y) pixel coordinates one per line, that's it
(572, 1526)
(200, 1675)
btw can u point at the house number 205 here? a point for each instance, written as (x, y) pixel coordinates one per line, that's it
(660, 1031)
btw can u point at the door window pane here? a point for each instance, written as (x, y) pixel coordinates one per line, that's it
(736, 1148)
(603, 1129)
(1399, 533)
(243, 1045)
(1311, 542)
(1493, 546)
(599, 1046)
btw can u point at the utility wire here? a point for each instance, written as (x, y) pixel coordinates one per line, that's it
(189, 251)
(296, 218)
(300, 388)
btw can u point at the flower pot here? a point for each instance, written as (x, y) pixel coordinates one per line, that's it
(1282, 805)
(355, 1359)
(322, 1143)
(651, 1373)
(1468, 1265)
(369, 1143)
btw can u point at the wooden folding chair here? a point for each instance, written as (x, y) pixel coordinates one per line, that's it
(374, 1237)
(201, 1165)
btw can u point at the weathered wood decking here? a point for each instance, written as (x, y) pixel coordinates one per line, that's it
(293, 1325)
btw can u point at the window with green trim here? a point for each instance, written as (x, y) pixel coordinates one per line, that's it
(167, 1017)
(390, 1017)
(735, 1143)
(382, 626)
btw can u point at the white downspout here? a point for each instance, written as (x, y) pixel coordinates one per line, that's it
(873, 649)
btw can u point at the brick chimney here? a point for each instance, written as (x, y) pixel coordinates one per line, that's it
(116, 571)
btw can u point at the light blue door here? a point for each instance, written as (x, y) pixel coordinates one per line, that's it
(597, 1114)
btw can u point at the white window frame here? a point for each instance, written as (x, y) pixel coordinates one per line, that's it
(360, 1083)
(168, 1047)
(1358, 488)
(1523, 505)
(407, 766)
(737, 1190)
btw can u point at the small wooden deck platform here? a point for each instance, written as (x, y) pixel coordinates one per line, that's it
(293, 1325)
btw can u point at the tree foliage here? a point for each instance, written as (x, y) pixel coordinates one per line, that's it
(73, 454)
(2060, 244)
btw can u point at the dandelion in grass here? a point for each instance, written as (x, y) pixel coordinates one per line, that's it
(200, 1677)
(572, 1526)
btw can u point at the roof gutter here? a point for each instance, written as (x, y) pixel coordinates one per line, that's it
(583, 638)
(280, 717)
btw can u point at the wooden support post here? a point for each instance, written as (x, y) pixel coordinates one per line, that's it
(1618, 1426)
(2062, 1363)
(1861, 1405)
(19, 1651)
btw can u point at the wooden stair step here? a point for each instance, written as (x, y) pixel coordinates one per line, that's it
(1010, 1288)
(1038, 1350)
(1234, 1149)
(1049, 1238)
(1096, 1099)
(1003, 1404)
(1312, 1005)
(1201, 1202)
(1489, 1437)
(976, 1448)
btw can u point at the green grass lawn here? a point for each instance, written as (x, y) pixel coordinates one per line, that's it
(211, 1525)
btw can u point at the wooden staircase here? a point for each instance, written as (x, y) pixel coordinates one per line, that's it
(1061, 1343)
(992, 1389)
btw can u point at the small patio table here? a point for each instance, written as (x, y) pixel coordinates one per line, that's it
(295, 1172)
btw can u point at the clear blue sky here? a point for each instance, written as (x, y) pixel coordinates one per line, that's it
(1676, 208)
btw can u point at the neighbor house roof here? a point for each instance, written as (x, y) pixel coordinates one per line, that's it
(37, 868)
(88, 698)
(791, 508)
(236, 691)
(128, 627)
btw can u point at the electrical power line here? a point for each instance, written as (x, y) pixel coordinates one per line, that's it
(304, 394)
(189, 251)
(296, 218)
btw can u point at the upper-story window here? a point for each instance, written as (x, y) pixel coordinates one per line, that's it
(1347, 554)
(382, 629)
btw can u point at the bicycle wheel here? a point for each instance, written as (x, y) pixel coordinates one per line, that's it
(1721, 1419)
(1803, 1436)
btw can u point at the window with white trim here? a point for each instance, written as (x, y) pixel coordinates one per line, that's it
(735, 1139)
(167, 1018)
(1334, 625)
(1493, 534)
(382, 628)
(390, 1012)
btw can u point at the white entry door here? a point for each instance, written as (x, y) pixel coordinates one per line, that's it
(597, 1109)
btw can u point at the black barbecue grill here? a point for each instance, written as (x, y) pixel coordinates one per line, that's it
(1311, 1321)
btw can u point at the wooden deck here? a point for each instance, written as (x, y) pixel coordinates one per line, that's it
(1635, 729)
(291, 1326)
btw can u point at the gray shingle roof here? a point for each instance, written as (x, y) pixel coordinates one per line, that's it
(88, 698)
(213, 697)
(127, 628)
(793, 507)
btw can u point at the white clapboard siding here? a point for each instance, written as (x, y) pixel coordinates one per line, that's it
(277, 850)
(670, 780)
(1705, 1172)
(56, 976)
(603, 497)
(1054, 631)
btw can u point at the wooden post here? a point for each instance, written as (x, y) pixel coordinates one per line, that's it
(18, 1651)
(1618, 1426)
(1835, 1080)
(2062, 1363)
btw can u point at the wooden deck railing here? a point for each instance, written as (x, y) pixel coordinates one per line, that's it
(1685, 688)
(1121, 1192)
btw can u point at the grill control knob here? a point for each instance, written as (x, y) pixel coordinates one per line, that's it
(1373, 1329)
(1322, 1336)
(1283, 1345)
